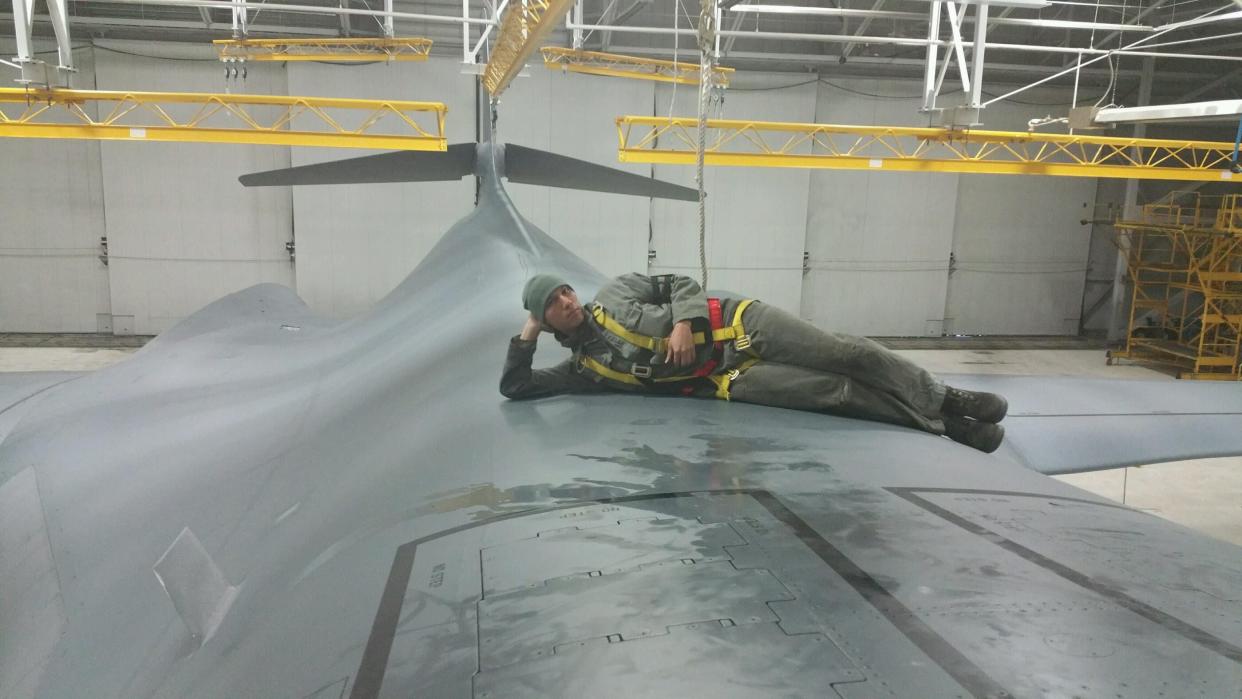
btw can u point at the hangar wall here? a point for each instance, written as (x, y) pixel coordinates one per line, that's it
(51, 279)
(887, 254)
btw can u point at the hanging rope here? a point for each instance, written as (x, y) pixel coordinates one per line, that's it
(707, 37)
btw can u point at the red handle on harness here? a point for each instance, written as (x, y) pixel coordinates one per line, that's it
(716, 315)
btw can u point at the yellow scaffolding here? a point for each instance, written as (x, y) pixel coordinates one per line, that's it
(618, 66)
(222, 118)
(913, 149)
(342, 50)
(525, 25)
(1184, 258)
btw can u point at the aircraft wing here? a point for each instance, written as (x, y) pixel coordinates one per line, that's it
(1062, 425)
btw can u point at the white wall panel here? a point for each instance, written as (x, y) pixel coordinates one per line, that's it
(756, 219)
(51, 278)
(182, 231)
(574, 115)
(1020, 249)
(879, 243)
(1020, 255)
(356, 242)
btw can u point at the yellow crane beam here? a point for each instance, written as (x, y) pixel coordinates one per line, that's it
(525, 25)
(341, 50)
(913, 149)
(222, 118)
(618, 66)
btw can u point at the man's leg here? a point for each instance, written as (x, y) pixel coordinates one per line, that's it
(780, 337)
(786, 386)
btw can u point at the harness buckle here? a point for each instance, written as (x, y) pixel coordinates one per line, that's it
(642, 371)
(742, 342)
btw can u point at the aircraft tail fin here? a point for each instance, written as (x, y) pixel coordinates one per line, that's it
(531, 166)
(402, 166)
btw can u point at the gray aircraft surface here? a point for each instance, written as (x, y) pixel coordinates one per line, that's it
(265, 503)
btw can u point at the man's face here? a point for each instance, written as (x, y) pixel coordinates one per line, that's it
(563, 313)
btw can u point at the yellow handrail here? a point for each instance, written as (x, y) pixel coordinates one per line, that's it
(525, 25)
(222, 118)
(920, 149)
(619, 66)
(342, 50)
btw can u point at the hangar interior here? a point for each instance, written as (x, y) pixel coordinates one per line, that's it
(106, 243)
(251, 437)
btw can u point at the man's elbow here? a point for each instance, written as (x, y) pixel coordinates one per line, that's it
(512, 391)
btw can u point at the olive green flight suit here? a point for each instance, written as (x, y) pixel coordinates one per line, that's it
(799, 367)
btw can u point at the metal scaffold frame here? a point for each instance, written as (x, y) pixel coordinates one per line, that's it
(913, 149)
(340, 50)
(618, 66)
(1184, 261)
(222, 118)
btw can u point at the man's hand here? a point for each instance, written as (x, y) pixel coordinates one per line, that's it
(531, 330)
(680, 345)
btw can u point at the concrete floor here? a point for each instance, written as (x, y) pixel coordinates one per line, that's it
(1203, 494)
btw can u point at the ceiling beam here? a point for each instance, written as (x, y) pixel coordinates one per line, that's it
(1156, 5)
(130, 22)
(1218, 82)
(862, 29)
(913, 64)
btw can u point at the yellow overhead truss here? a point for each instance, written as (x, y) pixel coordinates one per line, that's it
(913, 149)
(525, 25)
(618, 66)
(222, 118)
(341, 50)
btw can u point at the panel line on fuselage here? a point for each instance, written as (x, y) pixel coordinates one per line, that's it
(970, 676)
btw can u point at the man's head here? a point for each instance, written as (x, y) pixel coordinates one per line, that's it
(553, 302)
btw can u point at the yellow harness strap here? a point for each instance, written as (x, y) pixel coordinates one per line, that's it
(659, 345)
(733, 332)
(723, 381)
(607, 372)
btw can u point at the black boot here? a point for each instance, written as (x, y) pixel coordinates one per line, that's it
(984, 436)
(985, 407)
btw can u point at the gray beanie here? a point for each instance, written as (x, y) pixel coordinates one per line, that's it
(537, 292)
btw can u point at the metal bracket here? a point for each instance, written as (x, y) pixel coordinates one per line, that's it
(967, 114)
(1081, 118)
(36, 72)
(958, 117)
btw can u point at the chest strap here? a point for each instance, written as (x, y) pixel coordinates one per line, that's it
(659, 345)
(722, 381)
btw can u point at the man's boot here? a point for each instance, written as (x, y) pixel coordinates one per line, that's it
(985, 407)
(984, 436)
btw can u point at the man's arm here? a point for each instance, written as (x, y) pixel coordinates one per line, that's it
(683, 294)
(519, 381)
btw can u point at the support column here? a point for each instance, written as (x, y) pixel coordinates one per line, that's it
(929, 71)
(1130, 210)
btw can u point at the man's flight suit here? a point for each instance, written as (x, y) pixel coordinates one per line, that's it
(769, 357)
